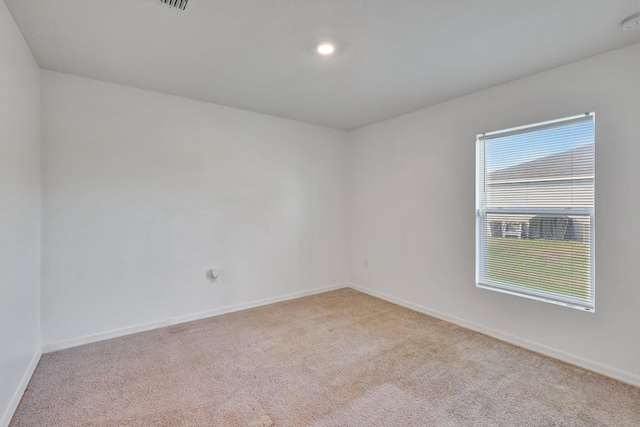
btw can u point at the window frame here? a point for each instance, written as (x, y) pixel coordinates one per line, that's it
(482, 211)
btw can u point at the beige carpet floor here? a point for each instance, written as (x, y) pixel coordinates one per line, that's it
(341, 358)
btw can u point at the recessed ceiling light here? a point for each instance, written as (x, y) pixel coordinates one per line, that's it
(325, 48)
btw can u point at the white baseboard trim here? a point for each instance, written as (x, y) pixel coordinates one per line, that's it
(115, 333)
(17, 395)
(590, 365)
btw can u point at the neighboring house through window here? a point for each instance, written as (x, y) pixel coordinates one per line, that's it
(535, 211)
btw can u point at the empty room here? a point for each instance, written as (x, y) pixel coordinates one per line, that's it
(319, 213)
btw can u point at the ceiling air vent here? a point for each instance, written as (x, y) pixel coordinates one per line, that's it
(180, 4)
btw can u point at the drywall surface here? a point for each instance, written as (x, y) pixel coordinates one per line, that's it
(19, 214)
(413, 210)
(144, 192)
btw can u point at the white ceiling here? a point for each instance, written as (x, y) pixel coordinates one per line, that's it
(394, 56)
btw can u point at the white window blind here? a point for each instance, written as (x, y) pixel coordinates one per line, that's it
(535, 211)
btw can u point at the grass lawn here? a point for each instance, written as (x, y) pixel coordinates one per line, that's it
(557, 266)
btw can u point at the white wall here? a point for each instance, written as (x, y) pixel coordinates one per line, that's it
(19, 214)
(413, 200)
(144, 192)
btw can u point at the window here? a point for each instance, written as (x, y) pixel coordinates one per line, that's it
(535, 211)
